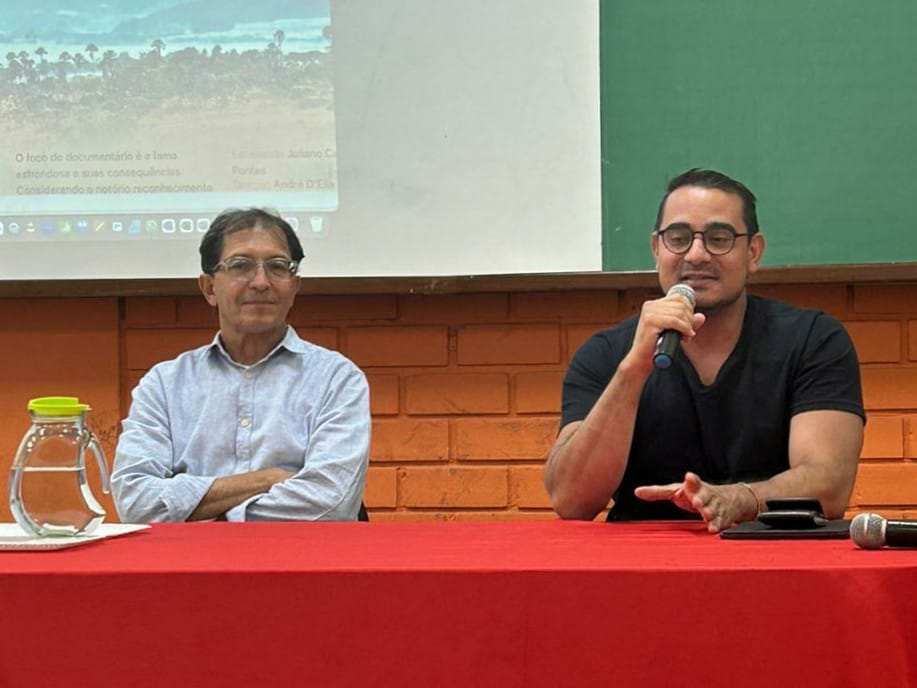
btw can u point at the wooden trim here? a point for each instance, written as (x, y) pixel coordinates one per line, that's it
(803, 274)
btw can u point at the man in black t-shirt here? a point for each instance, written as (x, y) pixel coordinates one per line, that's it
(763, 400)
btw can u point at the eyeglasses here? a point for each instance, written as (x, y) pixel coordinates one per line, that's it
(717, 240)
(243, 269)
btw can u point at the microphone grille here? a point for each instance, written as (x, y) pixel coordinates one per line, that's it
(683, 290)
(868, 531)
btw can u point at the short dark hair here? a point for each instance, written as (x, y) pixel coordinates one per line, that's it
(711, 179)
(236, 220)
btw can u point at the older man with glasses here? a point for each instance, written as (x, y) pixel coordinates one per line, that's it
(259, 424)
(763, 400)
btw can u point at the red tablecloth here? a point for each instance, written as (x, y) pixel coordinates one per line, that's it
(457, 604)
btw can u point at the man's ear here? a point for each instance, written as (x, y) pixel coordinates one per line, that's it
(756, 246)
(654, 243)
(205, 282)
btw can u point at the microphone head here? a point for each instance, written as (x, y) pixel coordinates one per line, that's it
(685, 291)
(868, 531)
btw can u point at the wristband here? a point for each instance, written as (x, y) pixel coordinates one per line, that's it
(755, 496)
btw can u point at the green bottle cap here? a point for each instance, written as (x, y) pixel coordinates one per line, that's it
(57, 406)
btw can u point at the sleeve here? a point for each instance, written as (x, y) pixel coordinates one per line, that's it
(828, 376)
(330, 484)
(589, 373)
(143, 484)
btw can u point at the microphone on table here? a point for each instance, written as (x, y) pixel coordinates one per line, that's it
(668, 341)
(871, 531)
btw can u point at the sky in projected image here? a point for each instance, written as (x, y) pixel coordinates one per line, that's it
(138, 106)
(131, 25)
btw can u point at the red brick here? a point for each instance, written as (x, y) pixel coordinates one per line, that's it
(884, 438)
(70, 316)
(453, 487)
(890, 388)
(829, 298)
(577, 335)
(527, 489)
(398, 346)
(383, 394)
(145, 311)
(381, 487)
(326, 337)
(876, 342)
(569, 305)
(131, 380)
(312, 308)
(912, 340)
(882, 511)
(511, 438)
(410, 440)
(457, 393)
(508, 344)
(910, 437)
(886, 484)
(194, 311)
(407, 515)
(508, 515)
(538, 392)
(453, 309)
(882, 298)
(146, 348)
(632, 300)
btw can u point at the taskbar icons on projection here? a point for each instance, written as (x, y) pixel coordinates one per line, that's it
(115, 227)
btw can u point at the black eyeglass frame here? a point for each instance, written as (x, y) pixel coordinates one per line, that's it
(661, 233)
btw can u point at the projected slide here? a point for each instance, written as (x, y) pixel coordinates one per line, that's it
(146, 117)
(399, 137)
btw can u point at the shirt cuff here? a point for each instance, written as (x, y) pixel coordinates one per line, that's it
(184, 494)
(237, 513)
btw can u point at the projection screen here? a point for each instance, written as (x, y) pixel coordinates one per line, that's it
(399, 137)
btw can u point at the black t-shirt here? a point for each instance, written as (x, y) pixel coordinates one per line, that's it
(787, 360)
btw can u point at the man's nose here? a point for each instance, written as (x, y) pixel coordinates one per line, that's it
(260, 280)
(698, 252)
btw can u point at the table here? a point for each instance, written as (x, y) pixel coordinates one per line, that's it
(457, 604)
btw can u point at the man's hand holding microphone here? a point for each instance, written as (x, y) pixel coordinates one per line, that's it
(663, 324)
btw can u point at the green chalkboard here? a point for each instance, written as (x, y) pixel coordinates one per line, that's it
(812, 104)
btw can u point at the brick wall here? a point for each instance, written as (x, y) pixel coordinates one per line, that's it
(465, 388)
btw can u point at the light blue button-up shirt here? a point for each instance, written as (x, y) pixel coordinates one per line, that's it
(203, 416)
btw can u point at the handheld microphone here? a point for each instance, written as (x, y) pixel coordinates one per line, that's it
(871, 531)
(668, 341)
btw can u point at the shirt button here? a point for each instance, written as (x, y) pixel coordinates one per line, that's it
(248, 375)
(245, 422)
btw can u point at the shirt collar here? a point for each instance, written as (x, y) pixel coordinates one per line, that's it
(291, 342)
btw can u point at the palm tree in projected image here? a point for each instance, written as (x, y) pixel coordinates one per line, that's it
(63, 64)
(43, 65)
(25, 60)
(29, 73)
(158, 45)
(13, 68)
(92, 49)
(279, 36)
(108, 64)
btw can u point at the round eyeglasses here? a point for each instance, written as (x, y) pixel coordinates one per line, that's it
(717, 240)
(244, 269)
